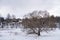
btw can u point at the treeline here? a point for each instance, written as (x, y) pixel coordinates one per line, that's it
(9, 20)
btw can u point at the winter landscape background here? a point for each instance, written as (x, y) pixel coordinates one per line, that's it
(12, 28)
(29, 19)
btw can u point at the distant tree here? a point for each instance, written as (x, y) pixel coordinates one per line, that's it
(38, 23)
(1, 22)
(13, 17)
(8, 16)
(1, 18)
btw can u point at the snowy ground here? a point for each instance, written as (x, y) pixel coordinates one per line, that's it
(17, 34)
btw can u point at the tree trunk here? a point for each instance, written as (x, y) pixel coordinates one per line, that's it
(38, 31)
(34, 31)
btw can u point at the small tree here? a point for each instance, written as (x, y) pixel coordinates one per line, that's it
(37, 24)
(8, 16)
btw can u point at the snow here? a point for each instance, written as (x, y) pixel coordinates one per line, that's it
(18, 34)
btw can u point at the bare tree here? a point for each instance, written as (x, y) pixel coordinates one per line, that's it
(8, 16)
(37, 24)
(13, 17)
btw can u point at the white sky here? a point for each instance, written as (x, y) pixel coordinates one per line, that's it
(22, 7)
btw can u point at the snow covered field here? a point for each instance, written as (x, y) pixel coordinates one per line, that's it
(18, 34)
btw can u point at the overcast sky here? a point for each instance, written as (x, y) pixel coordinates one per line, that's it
(22, 7)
